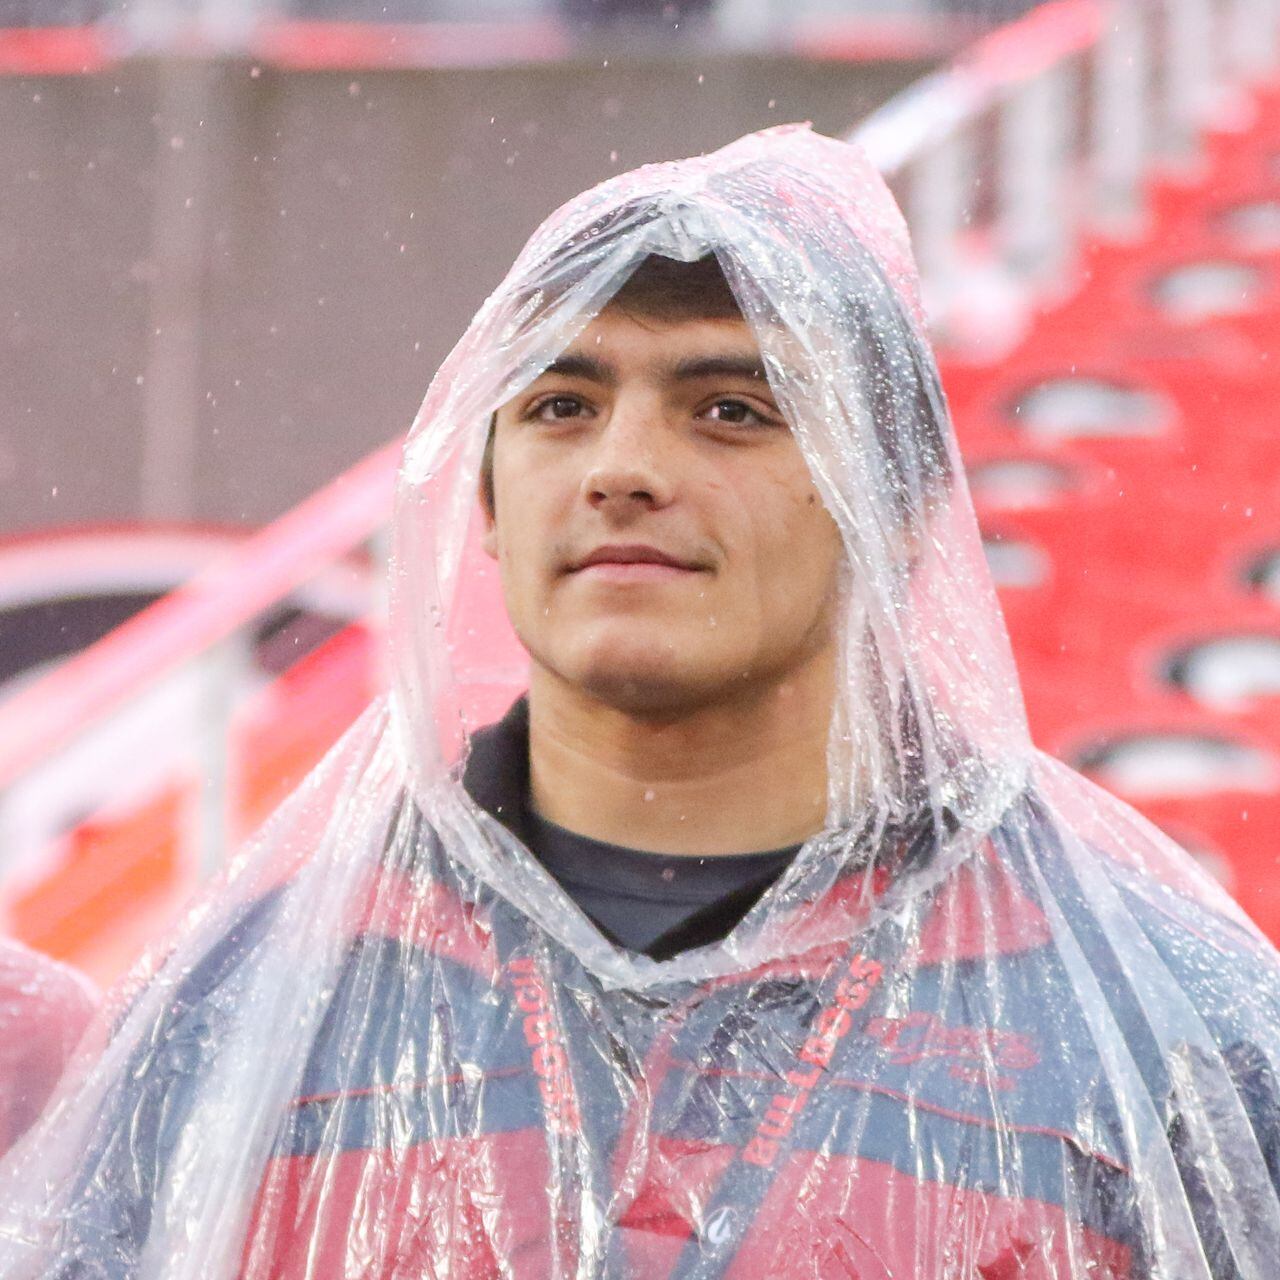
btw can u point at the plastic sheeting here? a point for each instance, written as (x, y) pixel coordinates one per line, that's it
(44, 1009)
(989, 1023)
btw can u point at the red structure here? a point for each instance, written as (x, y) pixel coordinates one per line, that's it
(1125, 460)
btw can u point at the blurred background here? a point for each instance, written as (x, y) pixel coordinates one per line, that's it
(237, 237)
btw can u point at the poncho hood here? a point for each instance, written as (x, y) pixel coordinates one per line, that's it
(929, 714)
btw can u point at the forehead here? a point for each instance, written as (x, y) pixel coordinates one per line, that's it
(620, 344)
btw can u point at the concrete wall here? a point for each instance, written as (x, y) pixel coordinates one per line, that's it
(220, 285)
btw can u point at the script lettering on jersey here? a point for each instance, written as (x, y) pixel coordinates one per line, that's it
(546, 1047)
(832, 1024)
(922, 1035)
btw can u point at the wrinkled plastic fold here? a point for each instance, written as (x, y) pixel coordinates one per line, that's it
(989, 1023)
(44, 1009)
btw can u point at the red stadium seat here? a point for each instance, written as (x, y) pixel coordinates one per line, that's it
(1138, 418)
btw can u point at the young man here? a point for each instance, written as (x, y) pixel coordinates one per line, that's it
(756, 940)
(673, 575)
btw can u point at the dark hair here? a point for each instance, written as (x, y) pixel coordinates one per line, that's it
(906, 400)
(664, 289)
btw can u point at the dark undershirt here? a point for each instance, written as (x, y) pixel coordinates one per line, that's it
(656, 903)
(645, 900)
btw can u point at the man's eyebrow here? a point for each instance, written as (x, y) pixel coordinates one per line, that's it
(573, 365)
(729, 366)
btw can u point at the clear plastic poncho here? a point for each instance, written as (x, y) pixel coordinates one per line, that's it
(989, 1023)
(44, 1008)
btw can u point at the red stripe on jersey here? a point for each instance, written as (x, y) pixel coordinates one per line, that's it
(981, 911)
(428, 916)
(839, 1216)
(473, 1207)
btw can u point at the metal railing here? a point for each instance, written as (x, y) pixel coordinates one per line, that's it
(191, 648)
(1044, 131)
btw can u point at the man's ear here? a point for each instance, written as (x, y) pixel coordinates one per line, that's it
(489, 539)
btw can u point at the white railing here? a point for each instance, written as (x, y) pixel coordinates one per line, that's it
(1044, 131)
(69, 740)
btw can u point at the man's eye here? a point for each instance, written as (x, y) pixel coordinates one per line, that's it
(736, 412)
(557, 408)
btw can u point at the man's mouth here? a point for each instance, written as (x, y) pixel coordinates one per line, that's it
(633, 562)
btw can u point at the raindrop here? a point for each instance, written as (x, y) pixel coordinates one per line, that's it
(650, 794)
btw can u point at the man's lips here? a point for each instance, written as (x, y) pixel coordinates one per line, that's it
(633, 561)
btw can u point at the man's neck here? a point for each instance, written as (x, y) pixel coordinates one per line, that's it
(736, 777)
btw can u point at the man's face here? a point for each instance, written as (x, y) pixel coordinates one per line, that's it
(661, 544)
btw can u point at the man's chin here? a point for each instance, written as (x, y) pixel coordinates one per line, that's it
(641, 666)
(645, 699)
(653, 688)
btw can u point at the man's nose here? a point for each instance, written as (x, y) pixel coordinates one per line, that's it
(626, 469)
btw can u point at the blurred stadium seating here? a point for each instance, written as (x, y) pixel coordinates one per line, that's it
(1126, 453)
